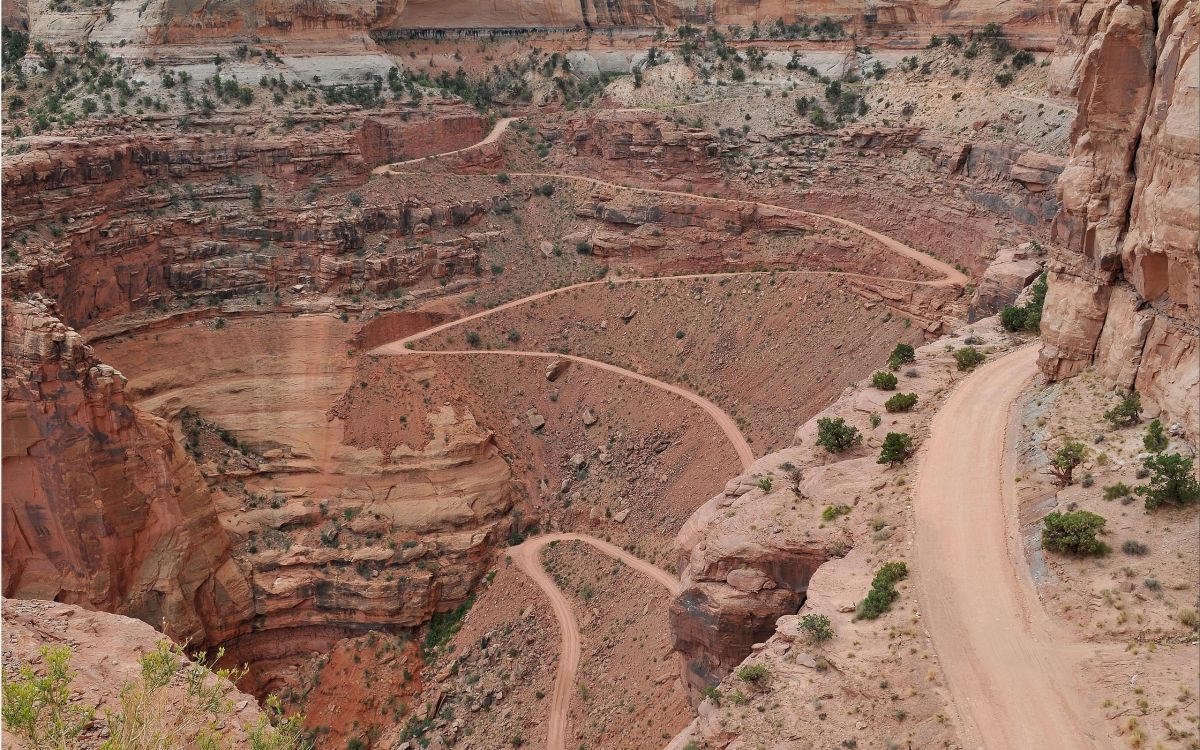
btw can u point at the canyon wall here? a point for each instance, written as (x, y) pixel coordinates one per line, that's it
(340, 21)
(1125, 273)
(101, 507)
(134, 224)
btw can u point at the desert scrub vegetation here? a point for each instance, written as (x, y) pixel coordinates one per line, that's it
(39, 709)
(897, 448)
(835, 436)
(833, 512)
(1066, 458)
(968, 358)
(902, 354)
(1155, 440)
(1074, 533)
(884, 380)
(883, 591)
(1172, 481)
(817, 628)
(1127, 412)
(901, 402)
(753, 673)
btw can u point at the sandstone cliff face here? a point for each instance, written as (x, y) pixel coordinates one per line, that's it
(1125, 277)
(101, 506)
(138, 230)
(351, 508)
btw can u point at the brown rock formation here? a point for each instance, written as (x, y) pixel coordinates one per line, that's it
(1125, 281)
(101, 507)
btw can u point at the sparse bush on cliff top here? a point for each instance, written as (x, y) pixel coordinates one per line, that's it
(883, 591)
(897, 448)
(900, 402)
(753, 673)
(38, 708)
(818, 627)
(884, 380)
(1073, 533)
(174, 704)
(1172, 481)
(968, 357)
(835, 436)
(903, 354)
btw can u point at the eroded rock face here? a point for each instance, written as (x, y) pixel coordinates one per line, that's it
(1125, 278)
(656, 144)
(102, 508)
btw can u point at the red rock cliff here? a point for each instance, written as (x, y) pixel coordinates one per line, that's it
(101, 507)
(1125, 277)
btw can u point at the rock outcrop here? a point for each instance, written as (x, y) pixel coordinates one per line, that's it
(102, 508)
(1125, 277)
(106, 653)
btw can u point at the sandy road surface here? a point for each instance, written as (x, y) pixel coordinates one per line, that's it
(1012, 675)
(527, 557)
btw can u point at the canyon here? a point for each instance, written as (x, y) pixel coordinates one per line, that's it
(463, 375)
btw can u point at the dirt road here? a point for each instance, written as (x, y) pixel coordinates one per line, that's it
(527, 558)
(1012, 675)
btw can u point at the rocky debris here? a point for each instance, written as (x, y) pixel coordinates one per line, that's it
(536, 421)
(629, 315)
(589, 417)
(556, 369)
(1125, 270)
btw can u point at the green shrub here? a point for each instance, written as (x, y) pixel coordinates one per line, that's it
(968, 357)
(256, 196)
(713, 695)
(1073, 533)
(473, 339)
(1063, 464)
(876, 420)
(835, 436)
(1155, 438)
(897, 448)
(818, 627)
(1126, 413)
(903, 354)
(39, 708)
(752, 673)
(503, 178)
(583, 247)
(832, 512)
(766, 483)
(900, 402)
(884, 380)
(1118, 490)
(883, 591)
(1013, 318)
(1172, 481)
